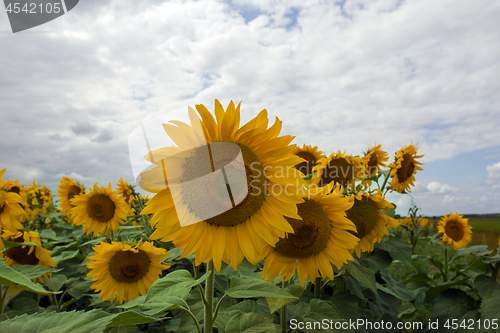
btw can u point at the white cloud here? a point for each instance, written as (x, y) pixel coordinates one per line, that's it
(493, 175)
(436, 187)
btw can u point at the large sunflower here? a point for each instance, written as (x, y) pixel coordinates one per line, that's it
(368, 214)
(404, 168)
(227, 187)
(124, 271)
(456, 230)
(11, 212)
(26, 255)
(100, 211)
(374, 159)
(310, 154)
(323, 237)
(68, 189)
(340, 168)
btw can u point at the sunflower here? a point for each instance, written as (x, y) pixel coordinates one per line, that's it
(100, 211)
(456, 230)
(124, 271)
(26, 255)
(368, 214)
(374, 159)
(39, 199)
(310, 154)
(324, 236)
(340, 168)
(126, 191)
(228, 188)
(11, 212)
(67, 190)
(404, 168)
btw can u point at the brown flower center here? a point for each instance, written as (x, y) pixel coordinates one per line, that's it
(73, 191)
(19, 254)
(128, 266)
(364, 214)
(406, 169)
(306, 167)
(454, 230)
(311, 233)
(223, 183)
(1, 209)
(372, 164)
(101, 208)
(339, 170)
(15, 189)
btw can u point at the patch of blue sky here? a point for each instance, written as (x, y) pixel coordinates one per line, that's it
(465, 171)
(248, 12)
(292, 16)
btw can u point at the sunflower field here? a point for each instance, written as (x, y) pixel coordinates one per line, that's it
(242, 231)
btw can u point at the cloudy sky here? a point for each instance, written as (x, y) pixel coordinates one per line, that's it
(340, 75)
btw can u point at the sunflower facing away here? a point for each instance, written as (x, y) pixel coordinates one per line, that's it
(340, 168)
(124, 271)
(228, 187)
(68, 189)
(100, 211)
(323, 237)
(311, 155)
(456, 230)
(368, 214)
(404, 168)
(26, 255)
(375, 158)
(125, 190)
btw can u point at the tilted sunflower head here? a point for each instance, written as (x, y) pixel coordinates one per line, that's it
(67, 190)
(456, 230)
(311, 155)
(222, 190)
(374, 159)
(404, 168)
(339, 168)
(125, 271)
(368, 214)
(320, 238)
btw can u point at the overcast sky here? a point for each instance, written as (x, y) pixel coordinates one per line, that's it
(341, 76)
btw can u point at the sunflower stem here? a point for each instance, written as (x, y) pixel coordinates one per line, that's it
(445, 265)
(53, 300)
(284, 328)
(194, 318)
(3, 296)
(385, 181)
(494, 274)
(209, 296)
(218, 306)
(317, 288)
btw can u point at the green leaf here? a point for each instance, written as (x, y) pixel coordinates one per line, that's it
(451, 303)
(362, 274)
(79, 288)
(433, 292)
(48, 234)
(249, 323)
(62, 322)
(10, 277)
(56, 281)
(275, 303)
(397, 249)
(131, 318)
(485, 285)
(246, 288)
(490, 307)
(66, 255)
(9, 245)
(34, 271)
(25, 305)
(476, 250)
(173, 283)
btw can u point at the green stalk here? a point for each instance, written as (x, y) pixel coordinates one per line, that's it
(284, 328)
(209, 296)
(445, 265)
(494, 274)
(385, 181)
(2, 300)
(317, 288)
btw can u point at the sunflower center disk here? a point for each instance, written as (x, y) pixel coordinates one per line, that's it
(454, 230)
(101, 208)
(306, 167)
(20, 255)
(1, 210)
(407, 168)
(73, 191)
(364, 214)
(15, 189)
(311, 233)
(372, 164)
(223, 183)
(128, 266)
(339, 170)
